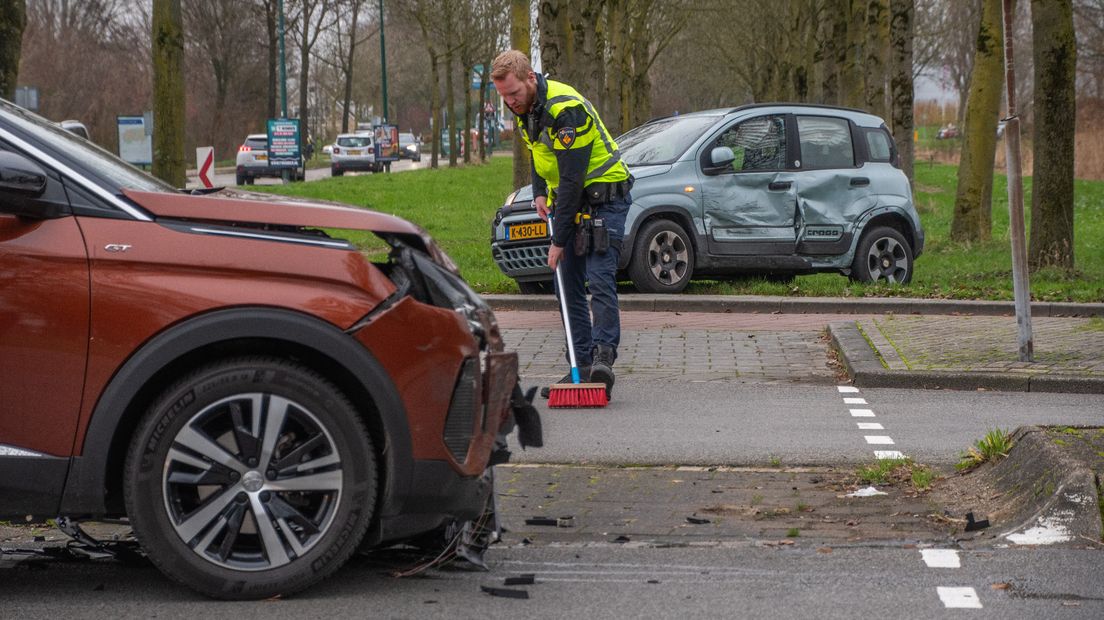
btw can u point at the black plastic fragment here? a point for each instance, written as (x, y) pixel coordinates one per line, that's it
(525, 579)
(622, 539)
(541, 521)
(698, 520)
(505, 592)
(972, 525)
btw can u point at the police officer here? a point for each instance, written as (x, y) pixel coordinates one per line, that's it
(578, 175)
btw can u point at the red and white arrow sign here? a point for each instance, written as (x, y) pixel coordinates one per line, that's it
(205, 159)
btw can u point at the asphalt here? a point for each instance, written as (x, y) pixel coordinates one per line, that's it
(880, 342)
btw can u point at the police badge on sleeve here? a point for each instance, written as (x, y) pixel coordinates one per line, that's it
(566, 136)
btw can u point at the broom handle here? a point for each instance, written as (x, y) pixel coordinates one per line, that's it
(566, 318)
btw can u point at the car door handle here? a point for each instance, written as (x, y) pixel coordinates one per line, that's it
(779, 185)
(860, 182)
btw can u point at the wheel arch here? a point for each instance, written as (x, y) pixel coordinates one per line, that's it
(94, 483)
(891, 218)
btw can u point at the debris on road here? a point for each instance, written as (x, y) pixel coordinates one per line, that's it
(505, 592)
(867, 492)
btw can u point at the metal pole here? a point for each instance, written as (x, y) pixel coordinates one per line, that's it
(1021, 287)
(283, 65)
(383, 61)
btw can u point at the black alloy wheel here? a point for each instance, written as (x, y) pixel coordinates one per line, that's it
(883, 255)
(250, 478)
(663, 259)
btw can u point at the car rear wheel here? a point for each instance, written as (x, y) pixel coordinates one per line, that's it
(883, 255)
(334, 172)
(240, 180)
(663, 259)
(250, 478)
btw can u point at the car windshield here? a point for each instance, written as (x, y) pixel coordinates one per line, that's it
(354, 141)
(406, 138)
(662, 141)
(104, 164)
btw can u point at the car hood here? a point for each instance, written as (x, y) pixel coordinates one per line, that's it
(237, 207)
(525, 194)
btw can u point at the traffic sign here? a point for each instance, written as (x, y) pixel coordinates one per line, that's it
(205, 159)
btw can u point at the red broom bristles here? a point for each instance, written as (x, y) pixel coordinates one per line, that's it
(577, 395)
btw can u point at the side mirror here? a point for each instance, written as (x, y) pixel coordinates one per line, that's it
(21, 175)
(721, 156)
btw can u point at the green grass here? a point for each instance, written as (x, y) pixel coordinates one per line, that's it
(456, 206)
(994, 446)
(888, 471)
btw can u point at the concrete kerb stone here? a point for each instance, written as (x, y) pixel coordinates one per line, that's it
(807, 305)
(1048, 496)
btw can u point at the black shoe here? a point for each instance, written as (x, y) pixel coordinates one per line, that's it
(584, 376)
(601, 369)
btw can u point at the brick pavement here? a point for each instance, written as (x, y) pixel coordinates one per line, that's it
(688, 346)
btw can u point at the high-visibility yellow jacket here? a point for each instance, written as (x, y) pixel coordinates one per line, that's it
(571, 149)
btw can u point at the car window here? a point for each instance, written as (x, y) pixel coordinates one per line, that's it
(758, 143)
(825, 142)
(662, 141)
(356, 141)
(257, 143)
(100, 163)
(877, 143)
(406, 138)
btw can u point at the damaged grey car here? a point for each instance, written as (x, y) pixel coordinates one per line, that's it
(772, 189)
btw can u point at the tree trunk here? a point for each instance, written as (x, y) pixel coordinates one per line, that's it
(615, 74)
(973, 200)
(304, 85)
(484, 81)
(833, 44)
(348, 96)
(519, 40)
(554, 22)
(13, 19)
(901, 85)
(1055, 56)
(875, 55)
(273, 52)
(466, 83)
(435, 103)
(852, 77)
(168, 93)
(449, 111)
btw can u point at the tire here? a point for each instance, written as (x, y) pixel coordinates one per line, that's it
(663, 258)
(334, 172)
(250, 180)
(192, 502)
(240, 180)
(882, 255)
(538, 287)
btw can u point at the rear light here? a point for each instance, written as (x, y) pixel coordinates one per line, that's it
(244, 149)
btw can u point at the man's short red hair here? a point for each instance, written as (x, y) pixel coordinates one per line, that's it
(511, 61)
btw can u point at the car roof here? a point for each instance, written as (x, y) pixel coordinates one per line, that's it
(257, 136)
(354, 135)
(859, 117)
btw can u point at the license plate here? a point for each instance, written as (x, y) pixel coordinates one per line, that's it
(527, 231)
(261, 157)
(354, 152)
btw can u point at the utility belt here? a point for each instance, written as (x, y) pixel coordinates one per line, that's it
(591, 232)
(598, 194)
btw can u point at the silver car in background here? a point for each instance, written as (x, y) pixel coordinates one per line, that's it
(772, 189)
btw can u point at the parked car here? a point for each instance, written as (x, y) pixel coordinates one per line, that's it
(354, 152)
(768, 189)
(253, 162)
(256, 396)
(409, 147)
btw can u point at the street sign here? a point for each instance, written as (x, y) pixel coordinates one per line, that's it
(27, 97)
(205, 159)
(387, 143)
(135, 140)
(283, 143)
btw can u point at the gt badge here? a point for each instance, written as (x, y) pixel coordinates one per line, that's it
(566, 136)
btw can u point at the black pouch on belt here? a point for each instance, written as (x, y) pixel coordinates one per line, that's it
(600, 236)
(582, 237)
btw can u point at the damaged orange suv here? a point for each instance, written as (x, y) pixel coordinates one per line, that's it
(257, 397)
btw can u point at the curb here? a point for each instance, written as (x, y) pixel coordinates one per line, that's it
(864, 365)
(1045, 493)
(807, 305)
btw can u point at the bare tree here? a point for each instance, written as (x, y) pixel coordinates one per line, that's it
(1055, 52)
(310, 19)
(13, 18)
(973, 199)
(519, 40)
(875, 56)
(168, 92)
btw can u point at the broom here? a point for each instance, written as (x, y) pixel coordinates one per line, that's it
(573, 395)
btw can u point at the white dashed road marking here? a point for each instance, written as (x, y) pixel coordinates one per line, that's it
(965, 598)
(854, 401)
(870, 426)
(941, 558)
(878, 439)
(889, 454)
(862, 413)
(847, 389)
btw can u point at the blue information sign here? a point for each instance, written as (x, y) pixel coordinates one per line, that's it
(283, 143)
